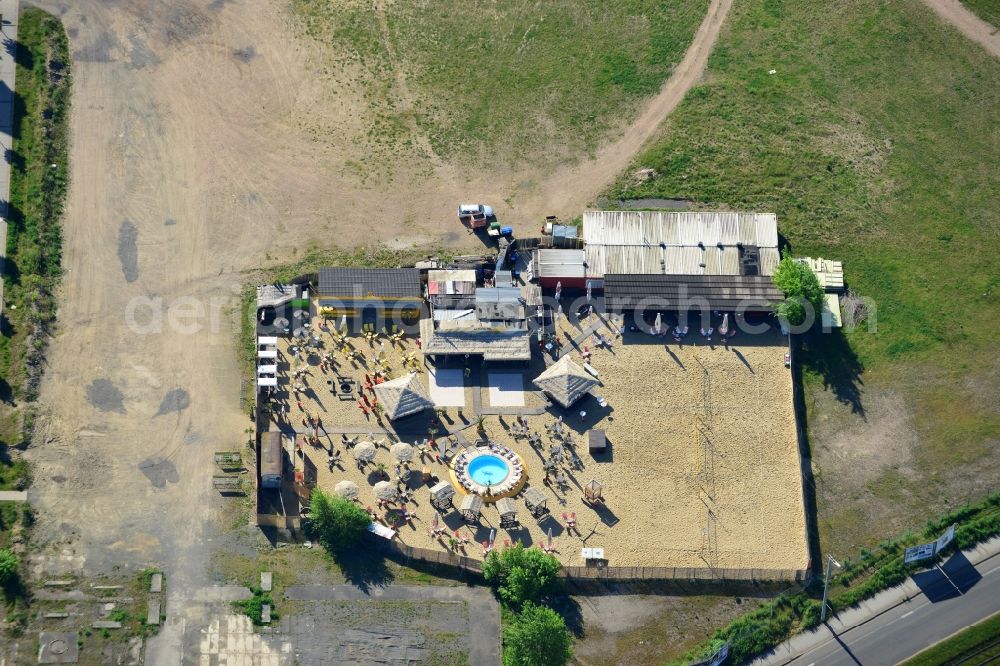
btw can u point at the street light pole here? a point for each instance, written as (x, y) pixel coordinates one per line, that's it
(826, 585)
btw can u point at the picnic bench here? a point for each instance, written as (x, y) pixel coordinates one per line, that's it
(226, 482)
(229, 459)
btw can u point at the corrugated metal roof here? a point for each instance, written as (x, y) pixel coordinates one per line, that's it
(444, 314)
(451, 275)
(769, 259)
(560, 263)
(380, 282)
(723, 292)
(498, 295)
(638, 241)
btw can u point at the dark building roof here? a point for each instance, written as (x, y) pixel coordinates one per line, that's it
(721, 292)
(383, 282)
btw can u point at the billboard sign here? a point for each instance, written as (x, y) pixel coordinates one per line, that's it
(945, 539)
(927, 550)
(716, 659)
(922, 552)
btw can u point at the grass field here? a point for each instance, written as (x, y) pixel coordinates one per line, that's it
(488, 82)
(32, 265)
(874, 142)
(978, 643)
(988, 10)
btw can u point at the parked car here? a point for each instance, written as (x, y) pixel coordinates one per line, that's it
(475, 216)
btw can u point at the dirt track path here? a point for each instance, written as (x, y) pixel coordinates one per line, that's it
(567, 191)
(970, 25)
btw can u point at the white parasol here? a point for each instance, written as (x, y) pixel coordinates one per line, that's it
(659, 322)
(364, 451)
(385, 491)
(402, 451)
(347, 489)
(724, 327)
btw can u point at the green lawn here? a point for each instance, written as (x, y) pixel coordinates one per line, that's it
(980, 640)
(875, 142)
(506, 81)
(988, 10)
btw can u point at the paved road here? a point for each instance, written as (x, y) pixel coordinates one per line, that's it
(8, 10)
(890, 628)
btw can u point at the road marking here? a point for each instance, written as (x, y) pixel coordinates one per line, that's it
(906, 615)
(812, 664)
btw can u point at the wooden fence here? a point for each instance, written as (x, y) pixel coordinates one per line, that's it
(448, 558)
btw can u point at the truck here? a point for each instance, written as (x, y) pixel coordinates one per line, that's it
(475, 216)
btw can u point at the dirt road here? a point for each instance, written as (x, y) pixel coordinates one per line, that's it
(194, 158)
(970, 25)
(571, 188)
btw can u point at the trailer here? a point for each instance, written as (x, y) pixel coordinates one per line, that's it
(475, 216)
(271, 460)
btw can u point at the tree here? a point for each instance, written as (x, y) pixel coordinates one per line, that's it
(337, 522)
(537, 638)
(791, 310)
(9, 565)
(800, 285)
(521, 574)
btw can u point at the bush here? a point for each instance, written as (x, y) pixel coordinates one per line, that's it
(538, 637)
(9, 564)
(336, 522)
(254, 606)
(521, 574)
(800, 286)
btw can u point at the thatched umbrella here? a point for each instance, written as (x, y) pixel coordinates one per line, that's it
(385, 491)
(403, 396)
(565, 381)
(402, 452)
(364, 451)
(347, 489)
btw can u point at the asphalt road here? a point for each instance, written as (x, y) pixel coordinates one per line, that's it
(950, 599)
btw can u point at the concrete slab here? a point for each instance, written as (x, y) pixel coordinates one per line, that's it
(506, 389)
(106, 624)
(222, 593)
(265, 614)
(13, 495)
(55, 616)
(156, 583)
(265, 581)
(58, 647)
(447, 386)
(153, 612)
